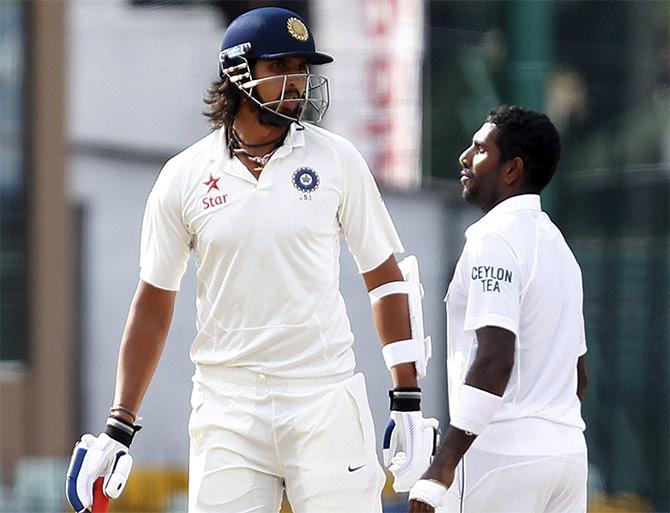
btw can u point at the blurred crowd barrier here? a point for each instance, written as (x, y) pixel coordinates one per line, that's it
(40, 484)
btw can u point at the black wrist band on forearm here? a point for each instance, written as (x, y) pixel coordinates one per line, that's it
(405, 399)
(123, 409)
(120, 430)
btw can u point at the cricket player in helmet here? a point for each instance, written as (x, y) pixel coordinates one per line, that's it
(261, 203)
(273, 33)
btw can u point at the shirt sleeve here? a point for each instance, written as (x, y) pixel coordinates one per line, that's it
(493, 282)
(582, 349)
(166, 241)
(365, 221)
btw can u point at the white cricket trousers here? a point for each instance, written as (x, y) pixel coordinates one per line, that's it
(487, 482)
(252, 436)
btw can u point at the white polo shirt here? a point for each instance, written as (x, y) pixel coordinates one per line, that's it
(267, 250)
(517, 272)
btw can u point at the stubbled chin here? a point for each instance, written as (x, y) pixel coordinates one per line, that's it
(468, 195)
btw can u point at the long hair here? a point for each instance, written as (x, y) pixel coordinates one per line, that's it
(223, 99)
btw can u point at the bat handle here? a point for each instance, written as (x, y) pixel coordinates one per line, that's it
(100, 500)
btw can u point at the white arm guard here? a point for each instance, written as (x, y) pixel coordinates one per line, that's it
(418, 349)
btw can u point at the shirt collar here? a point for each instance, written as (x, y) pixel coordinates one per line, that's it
(515, 203)
(294, 139)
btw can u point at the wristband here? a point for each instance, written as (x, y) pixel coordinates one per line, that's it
(405, 399)
(475, 409)
(120, 430)
(125, 410)
(429, 492)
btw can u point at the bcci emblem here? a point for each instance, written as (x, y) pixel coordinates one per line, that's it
(305, 179)
(297, 29)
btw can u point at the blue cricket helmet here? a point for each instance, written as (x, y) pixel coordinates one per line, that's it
(268, 33)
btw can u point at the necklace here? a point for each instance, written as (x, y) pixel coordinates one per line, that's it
(261, 160)
(235, 144)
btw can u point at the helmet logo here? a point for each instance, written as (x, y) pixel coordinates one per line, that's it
(297, 29)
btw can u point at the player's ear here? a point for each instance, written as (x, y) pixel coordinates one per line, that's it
(514, 169)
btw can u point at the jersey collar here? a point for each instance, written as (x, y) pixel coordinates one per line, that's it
(521, 202)
(513, 204)
(294, 139)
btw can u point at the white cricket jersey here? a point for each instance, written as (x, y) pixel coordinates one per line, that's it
(267, 250)
(517, 272)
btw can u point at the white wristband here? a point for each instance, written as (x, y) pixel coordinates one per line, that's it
(429, 492)
(475, 409)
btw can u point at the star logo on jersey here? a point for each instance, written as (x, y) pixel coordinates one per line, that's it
(212, 183)
(216, 199)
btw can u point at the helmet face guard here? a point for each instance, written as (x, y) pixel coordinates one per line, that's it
(274, 33)
(310, 106)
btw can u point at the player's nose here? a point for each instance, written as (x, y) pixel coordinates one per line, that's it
(296, 81)
(465, 158)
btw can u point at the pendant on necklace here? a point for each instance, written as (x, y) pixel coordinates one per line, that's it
(261, 161)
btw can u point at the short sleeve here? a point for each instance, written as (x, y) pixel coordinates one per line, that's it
(365, 221)
(581, 328)
(493, 282)
(166, 242)
(581, 351)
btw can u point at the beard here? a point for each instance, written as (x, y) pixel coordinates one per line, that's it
(485, 197)
(272, 117)
(470, 190)
(269, 117)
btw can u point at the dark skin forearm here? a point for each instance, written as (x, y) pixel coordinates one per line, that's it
(391, 316)
(142, 344)
(582, 377)
(490, 371)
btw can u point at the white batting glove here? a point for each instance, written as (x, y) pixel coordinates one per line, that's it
(410, 440)
(101, 456)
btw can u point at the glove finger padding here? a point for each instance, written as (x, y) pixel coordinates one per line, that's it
(95, 457)
(390, 445)
(410, 442)
(116, 480)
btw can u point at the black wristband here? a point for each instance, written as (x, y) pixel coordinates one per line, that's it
(121, 430)
(405, 399)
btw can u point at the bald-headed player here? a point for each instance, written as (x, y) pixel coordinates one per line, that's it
(516, 343)
(261, 203)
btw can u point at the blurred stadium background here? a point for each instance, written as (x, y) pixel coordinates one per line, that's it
(97, 95)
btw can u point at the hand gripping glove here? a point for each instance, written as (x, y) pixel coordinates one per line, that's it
(410, 440)
(103, 456)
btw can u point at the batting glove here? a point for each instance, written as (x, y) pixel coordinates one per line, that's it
(410, 440)
(103, 456)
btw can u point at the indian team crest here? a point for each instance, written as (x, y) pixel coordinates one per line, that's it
(305, 179)
(297, 29)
